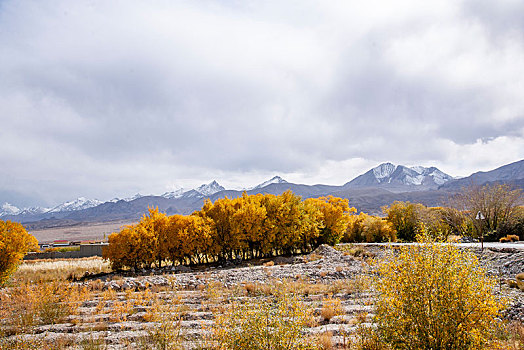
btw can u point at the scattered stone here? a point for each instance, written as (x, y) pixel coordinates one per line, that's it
(520, 280)
(511, 283)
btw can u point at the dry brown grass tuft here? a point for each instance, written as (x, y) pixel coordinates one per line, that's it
(330, 307)
(325, 341)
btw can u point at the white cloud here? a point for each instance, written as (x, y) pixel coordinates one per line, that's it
(105, 98)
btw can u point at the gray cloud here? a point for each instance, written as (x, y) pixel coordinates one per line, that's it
(109, 98)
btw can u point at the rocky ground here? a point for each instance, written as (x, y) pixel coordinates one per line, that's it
(123, 311)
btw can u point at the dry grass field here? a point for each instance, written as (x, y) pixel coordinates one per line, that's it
(82, 232)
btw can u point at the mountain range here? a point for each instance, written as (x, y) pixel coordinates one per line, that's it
(368, 192)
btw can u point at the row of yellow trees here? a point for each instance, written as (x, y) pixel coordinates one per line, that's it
(266, 225)
(245, 227)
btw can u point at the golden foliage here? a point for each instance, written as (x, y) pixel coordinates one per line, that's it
(239, 228)
(369, 228)
(434, 296)
(15, 242)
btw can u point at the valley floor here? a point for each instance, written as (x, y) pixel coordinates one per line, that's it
(145, 309)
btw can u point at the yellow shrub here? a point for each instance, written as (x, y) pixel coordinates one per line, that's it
(434, 296)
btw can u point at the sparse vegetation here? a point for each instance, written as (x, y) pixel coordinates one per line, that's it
(494, 210)
(264, 324)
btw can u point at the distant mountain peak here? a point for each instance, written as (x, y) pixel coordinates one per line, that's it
(210, 188)
(274, 180)
(391, 175)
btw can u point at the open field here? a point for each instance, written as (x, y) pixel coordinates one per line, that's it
(189, 307)
(81, 232)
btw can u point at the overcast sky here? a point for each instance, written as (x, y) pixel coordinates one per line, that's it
(109, 98)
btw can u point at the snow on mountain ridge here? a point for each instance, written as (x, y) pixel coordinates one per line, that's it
(77, 204)
(274, 180)
(33, 210)
(174, 194)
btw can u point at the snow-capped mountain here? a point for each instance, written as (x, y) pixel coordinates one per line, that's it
(390, 175)
(77, 204)
(275, 180)
(9, 209)
(210, 188)
(174, 194)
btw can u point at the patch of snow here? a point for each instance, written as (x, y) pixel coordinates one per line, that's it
(414, 180)
(9, 209)
(384, 170)
(419, 169)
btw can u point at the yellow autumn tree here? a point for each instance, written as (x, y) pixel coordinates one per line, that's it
(406, 219)
(376, 229)
(335, 218)
(173, 239)
(368, 228)
(355, 228)
(247, 223)
(312, 224)
(269, 236)
(148, 230)
(287, 222)
(15, 242)
(137, 245)
(219, 213)
(119, 250)
(200, 239)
